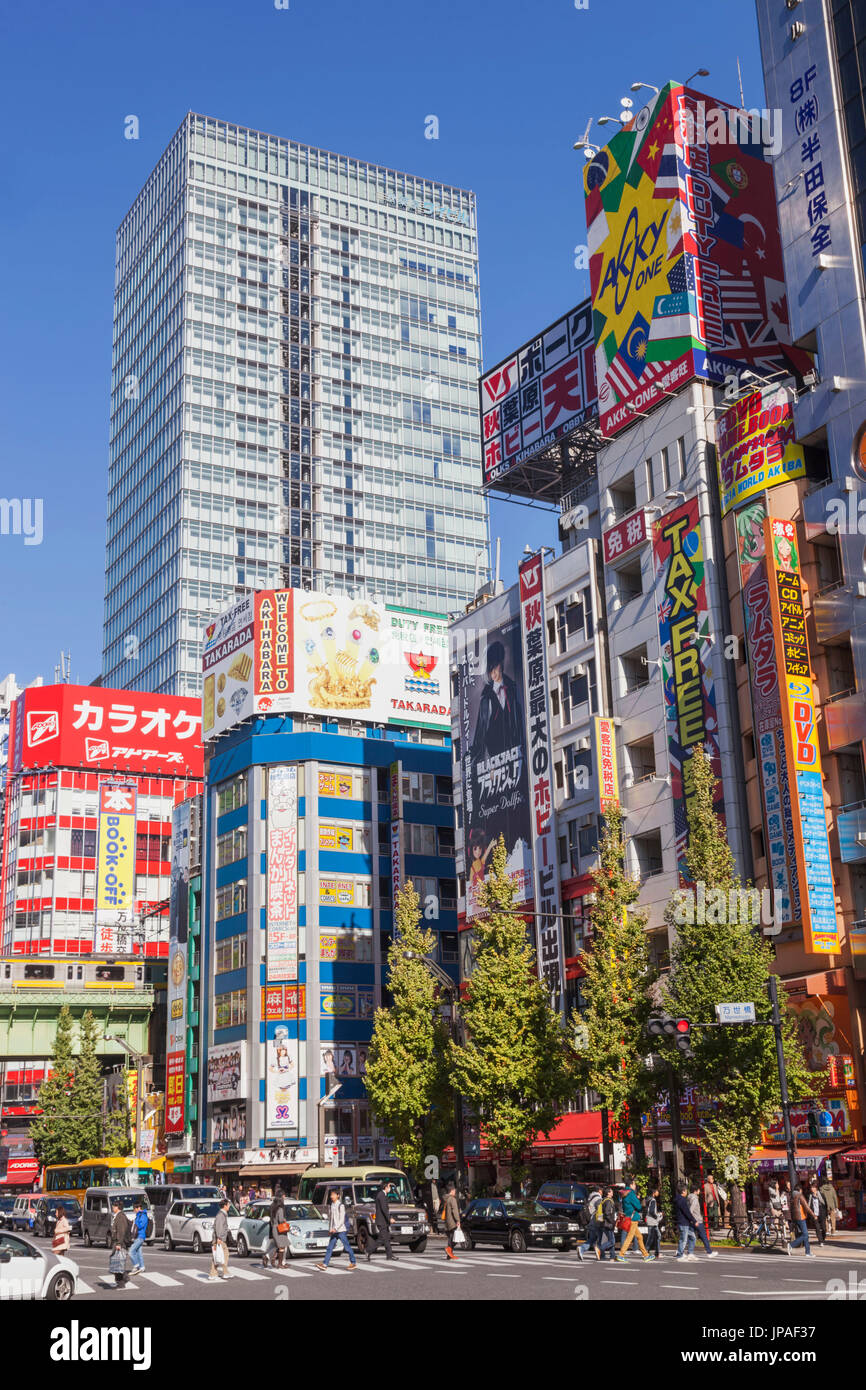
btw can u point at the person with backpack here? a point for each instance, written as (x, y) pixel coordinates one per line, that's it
(831, 1198)
(119, 1239)
(631, 1210)
(338, 1234)
(139, 1232)
(654, 1218)
(593, 1225)
(608, 1224)
(685, 1223)
(818, 1210)
(699, 1227)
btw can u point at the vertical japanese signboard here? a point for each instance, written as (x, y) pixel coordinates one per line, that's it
(769, 731)
(175, 1066)
(282, 944)
(282, 1078)
(178, 932)
(605, 752)
(817, 898)
(548, 920)
(115, 867)
(396, 788)
(684, 644)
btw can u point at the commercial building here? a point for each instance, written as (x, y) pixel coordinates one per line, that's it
(296, 352)
(328, 782)
(93, 776)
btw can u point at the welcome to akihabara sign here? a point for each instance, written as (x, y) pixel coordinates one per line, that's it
(685, 257)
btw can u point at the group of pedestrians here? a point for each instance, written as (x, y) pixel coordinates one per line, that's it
(607, 1218)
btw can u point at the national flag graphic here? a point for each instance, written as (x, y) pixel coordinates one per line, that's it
(740, 299)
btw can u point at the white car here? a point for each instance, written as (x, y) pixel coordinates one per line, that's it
(27, 1271)
(191, 1223)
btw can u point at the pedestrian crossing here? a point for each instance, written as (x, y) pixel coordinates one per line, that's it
(491, 1263)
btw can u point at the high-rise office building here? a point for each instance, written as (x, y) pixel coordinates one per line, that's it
(294, 392)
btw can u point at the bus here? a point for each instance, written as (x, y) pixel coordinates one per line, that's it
(73, 1179)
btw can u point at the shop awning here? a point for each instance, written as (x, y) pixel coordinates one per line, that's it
(853, 1155)
(261, 1170)
(807, 1155)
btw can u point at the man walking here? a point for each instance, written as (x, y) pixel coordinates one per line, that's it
(119, 1235)
(452, 1220)
(653, 1221)
(608, 1224)
(799, 1215)
(139, 1231)
(714, 1201)
(219, 1261)
(383, 1222)
(818, 1210)
(337, 1231)
(831, 1197)
(631, 1213)
(699, 1227)
(685, 1223)
(593, 1225)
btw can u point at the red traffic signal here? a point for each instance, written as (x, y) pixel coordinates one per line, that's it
(683, 1025)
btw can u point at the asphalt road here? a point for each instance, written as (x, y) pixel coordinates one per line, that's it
(482, 1275)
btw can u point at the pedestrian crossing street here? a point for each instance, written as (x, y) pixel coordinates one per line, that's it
(666, 1273)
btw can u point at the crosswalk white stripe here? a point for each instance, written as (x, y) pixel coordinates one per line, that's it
(199, 1274)
(162, 1281)
(235, 1273)
(292, 1272)
(82, 1287)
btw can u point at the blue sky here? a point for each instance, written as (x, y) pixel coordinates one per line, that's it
(512, 83)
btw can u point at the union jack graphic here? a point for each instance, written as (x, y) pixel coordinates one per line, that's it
(754, 342)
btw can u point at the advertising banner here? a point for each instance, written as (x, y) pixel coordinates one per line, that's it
(344, 1059)
(756, 447)
(282, 1079)
(282, 944)
(229, 1127)
(548, 920)
(284, 1001)
(175, 1069)
(490, 726)
(769, 732)
(227, 663)
(115, 867)
(290, 651)
(93, 727)
(395, 775)
(815, 872)
(178, 928)
(337, 837)
(538, 394)
(684, 643)
(605, 753)
(625, 536)
(685, 255)
(227, 1072)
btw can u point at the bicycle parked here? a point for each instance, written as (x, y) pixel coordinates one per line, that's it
(761, 1226)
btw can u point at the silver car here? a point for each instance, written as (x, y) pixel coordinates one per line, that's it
(307, 1233)
(28, 1272)
(191, 1223)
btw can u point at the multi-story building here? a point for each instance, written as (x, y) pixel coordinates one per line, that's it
(73, 748)
(312, 815)
(296, 352)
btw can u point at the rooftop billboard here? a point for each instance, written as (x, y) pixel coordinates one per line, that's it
(685, 255)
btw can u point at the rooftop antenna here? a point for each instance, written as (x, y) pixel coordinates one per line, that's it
(62, 671)
(740, 79)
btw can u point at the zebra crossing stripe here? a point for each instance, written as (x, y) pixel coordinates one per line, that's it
(246, 1274)
(162, 1281)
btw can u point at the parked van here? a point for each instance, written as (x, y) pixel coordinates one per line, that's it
(162, 1196)
(96, 1212)
(24, 1211)
(357, 1188)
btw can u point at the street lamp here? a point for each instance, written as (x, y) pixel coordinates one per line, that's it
(452, 991)
(636, 87)
(320, 1104)
(701, 72)
(140, 1059)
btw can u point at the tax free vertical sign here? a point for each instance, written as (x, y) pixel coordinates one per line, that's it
(548, 924)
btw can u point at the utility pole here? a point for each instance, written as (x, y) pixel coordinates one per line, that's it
(676, 1132)
(772, 990)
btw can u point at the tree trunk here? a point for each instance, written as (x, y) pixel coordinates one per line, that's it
(637, 1139)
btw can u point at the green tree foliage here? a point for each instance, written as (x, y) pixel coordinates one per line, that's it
(87, 1092)
(406, 1076)
(724, 960)
(514, 1066)
(611, 1030)
(53, 1132)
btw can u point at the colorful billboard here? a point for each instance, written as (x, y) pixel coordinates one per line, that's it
(685, 647)
(282, 1079)
(282, 906)
(116, 913)
(685, 256)
(178, 927)
(756, 447)
(175, 1069)
(289, 651)
(227, 1072)
(92, 727)
(539, 393)
(625, 536)
(284, 1001)
(548, 918)
(490, 731)
(605, 753)
(767, 726)
(815, 871)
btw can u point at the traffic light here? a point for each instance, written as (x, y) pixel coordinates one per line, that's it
(679, 1029)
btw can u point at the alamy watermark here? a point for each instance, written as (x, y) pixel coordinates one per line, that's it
(730, 125)
(22, 516)
(749, 907)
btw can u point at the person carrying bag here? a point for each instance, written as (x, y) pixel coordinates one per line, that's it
(120, 1239)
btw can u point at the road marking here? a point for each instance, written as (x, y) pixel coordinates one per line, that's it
(162, 1281)
(777, 1293)
(557, 1279)
(245, 1274)
(290, 1272)
(693, 1287)
(742, 1276)
(82, 1287)
(198, 1274)
(619, 1281)
(802, 1281)
(503, 1276)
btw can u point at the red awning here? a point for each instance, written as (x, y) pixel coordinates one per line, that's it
(854, 1156)
(583, 1128)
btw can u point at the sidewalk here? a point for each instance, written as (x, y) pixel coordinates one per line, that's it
(845, 1245)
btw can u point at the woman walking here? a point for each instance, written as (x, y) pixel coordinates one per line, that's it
(653, 1222)
(337, 1231)
(279, 1234)
(62, 1231)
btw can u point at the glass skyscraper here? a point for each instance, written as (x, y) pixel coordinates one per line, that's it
(294, 392)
